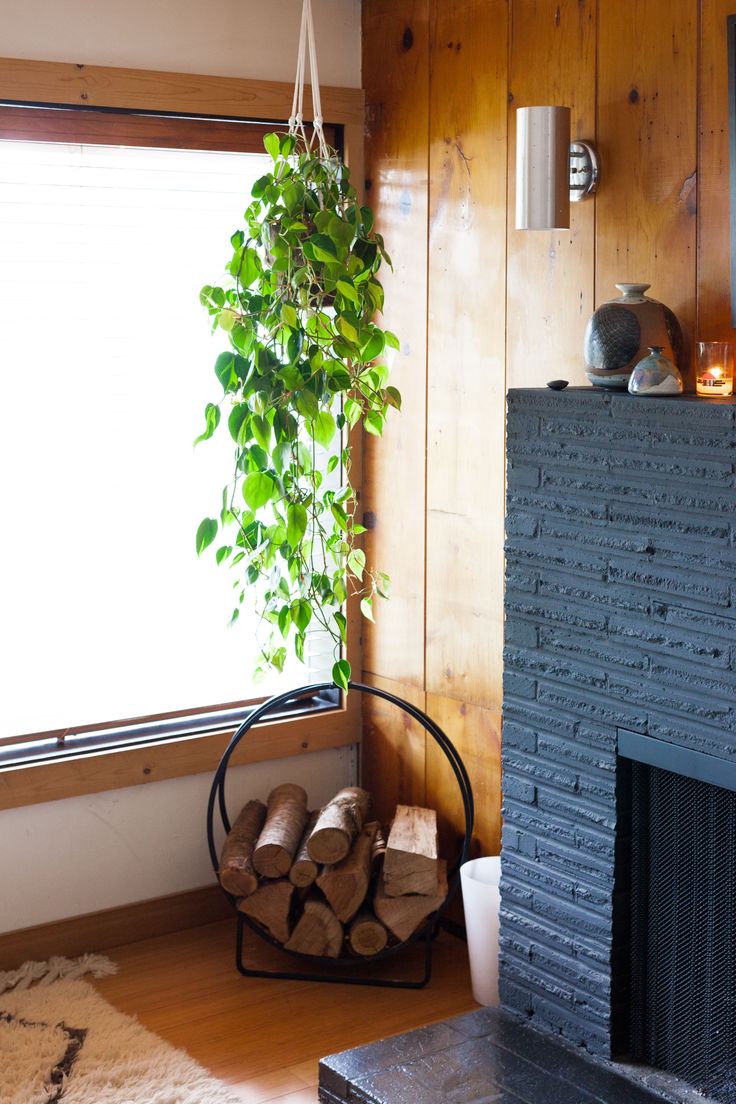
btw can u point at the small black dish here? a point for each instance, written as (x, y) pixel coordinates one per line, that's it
(558, 385)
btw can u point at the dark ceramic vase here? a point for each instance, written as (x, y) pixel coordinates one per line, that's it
(621, 331)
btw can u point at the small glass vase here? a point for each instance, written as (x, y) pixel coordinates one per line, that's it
(655, 375)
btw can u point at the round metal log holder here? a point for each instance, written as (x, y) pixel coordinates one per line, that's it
(426, 932)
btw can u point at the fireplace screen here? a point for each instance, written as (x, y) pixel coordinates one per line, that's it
(683, 929)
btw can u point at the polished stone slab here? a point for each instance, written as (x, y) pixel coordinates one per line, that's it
(483, 1057)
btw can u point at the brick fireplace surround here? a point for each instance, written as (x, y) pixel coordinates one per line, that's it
(620, 634)
(620, 618)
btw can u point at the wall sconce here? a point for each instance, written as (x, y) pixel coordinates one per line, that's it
(551, 171)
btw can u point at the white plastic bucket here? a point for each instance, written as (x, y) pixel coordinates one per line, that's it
(479, 879)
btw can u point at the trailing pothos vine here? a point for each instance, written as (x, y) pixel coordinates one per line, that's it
(303, 369)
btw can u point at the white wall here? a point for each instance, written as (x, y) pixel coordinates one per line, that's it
(69, 857)
(84, 854)
(234, 38)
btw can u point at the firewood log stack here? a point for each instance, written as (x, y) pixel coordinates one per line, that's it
(327, 883)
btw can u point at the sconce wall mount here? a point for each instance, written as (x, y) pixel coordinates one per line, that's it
(551, 171)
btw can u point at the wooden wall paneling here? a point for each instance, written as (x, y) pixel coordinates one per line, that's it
(466, 390)
(552, 60)
(647, 106)
(477, 732)
(396, 75)
(394, 750)
(466, 350)
(714, 303)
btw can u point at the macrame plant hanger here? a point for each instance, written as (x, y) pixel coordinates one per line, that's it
(307, 42)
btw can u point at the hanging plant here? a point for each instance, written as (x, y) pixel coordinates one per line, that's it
(303, 368)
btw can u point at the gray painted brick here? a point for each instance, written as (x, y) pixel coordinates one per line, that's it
(583, 759)
(586, 867)
(523, 426)
(602, 432)
(582, 597)
(556, 668)
(532, 766)
(519, 789)
(572, 915)
(521, 633)
(670, 581)
(597, 735)
(522, 525)
(653, 411)
(534, 874)
(547, 451)
(529, 820)
(711, 741)
(606, 710)
(538, 718)
(720, 625)
(664, 699)
(529, 927)
(691, 500)
(578, 807)
(674, 439)
(642, 518)
(538, 980)
(521, 579)
(522, 475)
(603, 789)
(598, 844)
(592, 648)
(555, 611)
(563, 530)
(591, 981)
(542, 553)
(620, 613)
(591, 510)
(519, 686)
(588, 403)
(670, 466)
(668, 638)
(518, 736)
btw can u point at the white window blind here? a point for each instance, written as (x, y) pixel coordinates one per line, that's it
(106, 364)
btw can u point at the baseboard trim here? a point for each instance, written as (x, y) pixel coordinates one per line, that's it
(101, 931)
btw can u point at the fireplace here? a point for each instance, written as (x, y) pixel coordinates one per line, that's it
(618, 914)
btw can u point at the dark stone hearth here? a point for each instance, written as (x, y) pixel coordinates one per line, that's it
(485, 1057)
(620, 615)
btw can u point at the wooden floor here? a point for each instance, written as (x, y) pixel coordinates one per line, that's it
(265, 1037)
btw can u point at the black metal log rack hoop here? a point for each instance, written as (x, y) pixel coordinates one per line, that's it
(428, 930)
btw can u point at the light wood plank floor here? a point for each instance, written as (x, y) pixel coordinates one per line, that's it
(265, 1037)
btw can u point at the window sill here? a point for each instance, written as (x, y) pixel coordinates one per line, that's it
(115, 769)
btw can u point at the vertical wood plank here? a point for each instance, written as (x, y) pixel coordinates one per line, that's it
(396, 73)
(476, 732)
(550, 273)
(714, 247)
(647, 107)
(466, 350)
(394, 750)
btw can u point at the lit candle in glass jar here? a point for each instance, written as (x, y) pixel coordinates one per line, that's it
(715, 369)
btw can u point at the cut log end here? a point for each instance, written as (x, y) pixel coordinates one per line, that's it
(318, 932)
(338, 824)
(367, 935)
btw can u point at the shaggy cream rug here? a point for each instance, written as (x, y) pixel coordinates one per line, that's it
(61, 1042)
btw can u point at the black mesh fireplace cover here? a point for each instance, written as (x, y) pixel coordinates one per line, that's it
(683, 929)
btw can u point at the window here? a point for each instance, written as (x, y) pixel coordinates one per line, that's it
(109, 225)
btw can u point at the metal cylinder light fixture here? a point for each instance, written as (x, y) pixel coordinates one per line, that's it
(542, 168)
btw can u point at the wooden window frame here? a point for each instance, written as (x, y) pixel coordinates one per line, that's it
(224, 101)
